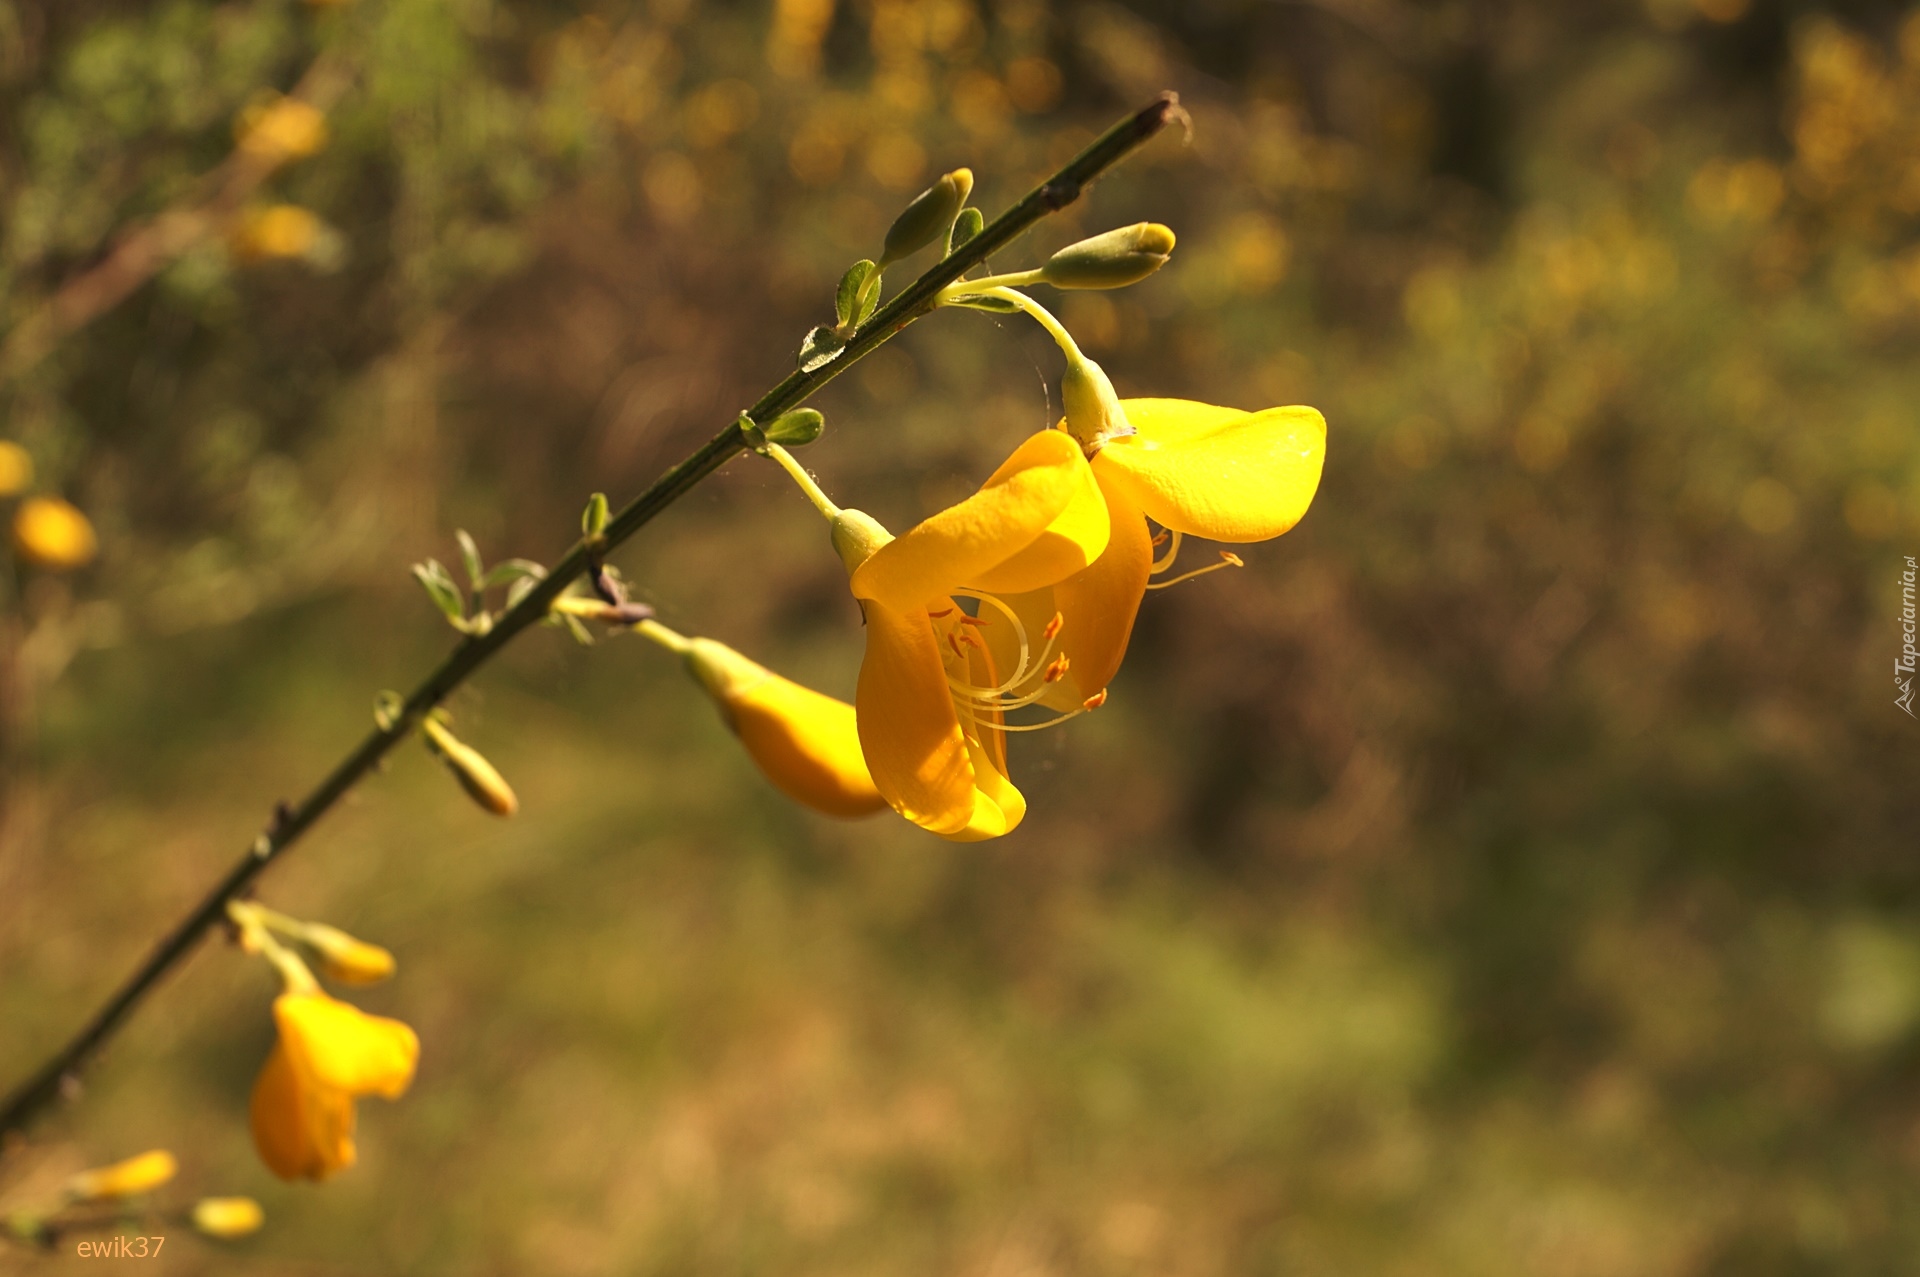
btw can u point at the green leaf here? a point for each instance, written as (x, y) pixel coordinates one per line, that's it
(511, 570)
(821, 348)
(470, 553)
(519, 590)
(853, 288)
(978, 301)
(797, 428)
(970, 223)
(438, 583)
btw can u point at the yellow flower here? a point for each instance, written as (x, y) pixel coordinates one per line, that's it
(805, 742)
(50, 534)
(281, 129)
(932, 696)
(345, 958)
(16, 468)
(228, 1217)
(328, 1054)
(279, 230)
(140, 1174)
(1195, 469)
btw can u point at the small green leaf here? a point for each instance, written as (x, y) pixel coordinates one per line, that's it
(978, 301)
(470, 554)
(519, 590)
(438, 583)
(869, 299)
(970, 223)
(511, 570)
(821, 348)
(593, 520)
(853, 287)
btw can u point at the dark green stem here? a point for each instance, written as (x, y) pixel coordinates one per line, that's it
(60, 1075)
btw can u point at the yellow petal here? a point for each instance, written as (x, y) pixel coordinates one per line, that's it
(997, 806)
(909, 733)
(337, 1046)
(49, 533)
(300, 1130)
(1037, 506)
(140, 1174)
(808, 744)
(1217, 472)
(1099, 604)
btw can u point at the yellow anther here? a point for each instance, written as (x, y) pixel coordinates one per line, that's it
(1232, 559)
(1095, 701)
(1053, 626)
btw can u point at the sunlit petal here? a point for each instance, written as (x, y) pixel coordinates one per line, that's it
(908, 730)
(1039, 502)
(808, 744)
(301, 1131)
(337, 1046)
(1217, 472)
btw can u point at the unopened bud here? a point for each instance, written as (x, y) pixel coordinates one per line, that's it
(16, 468)
(593, 520)
(346, 958)
(1112, 260)
(796, 429)
(282, 129)
(476, 775)
(51, 534)
(228, 1217)
(929, 217)
(140, 1174)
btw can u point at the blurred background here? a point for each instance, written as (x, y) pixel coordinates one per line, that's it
(1512, 871)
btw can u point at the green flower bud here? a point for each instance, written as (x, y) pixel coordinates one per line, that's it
(796, 429)
(1114, 260)
(929, 217)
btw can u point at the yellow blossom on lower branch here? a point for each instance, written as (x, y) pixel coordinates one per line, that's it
(135, 1175)
(227, 1217)
(329, 1053)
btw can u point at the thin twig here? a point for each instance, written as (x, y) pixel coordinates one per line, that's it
(60, 1074)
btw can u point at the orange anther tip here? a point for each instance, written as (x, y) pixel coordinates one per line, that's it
(941, 613)
(1053, 626)
(1161, 539)
(1232, 558)
(1095, 701)
(975, 620)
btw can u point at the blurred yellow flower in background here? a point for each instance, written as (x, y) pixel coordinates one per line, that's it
(140, 1174)
(227, 1217)
(281, 129)
(50, 533)
(16, 468)
(328, 1054)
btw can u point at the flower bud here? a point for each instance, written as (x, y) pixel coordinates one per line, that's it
(140, 1174)
(476, 775)
(51, 534)
(796, 429)
(346, 958)
(1113, 260)
(228, 1217)
(281, 130)
(929, 217)
(16, 468)
(806, 743)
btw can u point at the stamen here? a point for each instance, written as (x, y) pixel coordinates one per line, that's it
(1033, 727)
(1053, 626)
(1228, 559)
(1165, 561)
(1057, 670)
(1095, 701)
(1160, 539)
(974, 620)
(942, 613)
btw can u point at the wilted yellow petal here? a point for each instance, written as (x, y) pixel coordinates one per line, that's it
(1036, 503)
(228, 1217)
(140, 1174)
(1217, 472)
(51, 534)
(335, 1045)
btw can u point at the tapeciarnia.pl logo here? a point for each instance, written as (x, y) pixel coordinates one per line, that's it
(1903, 664)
